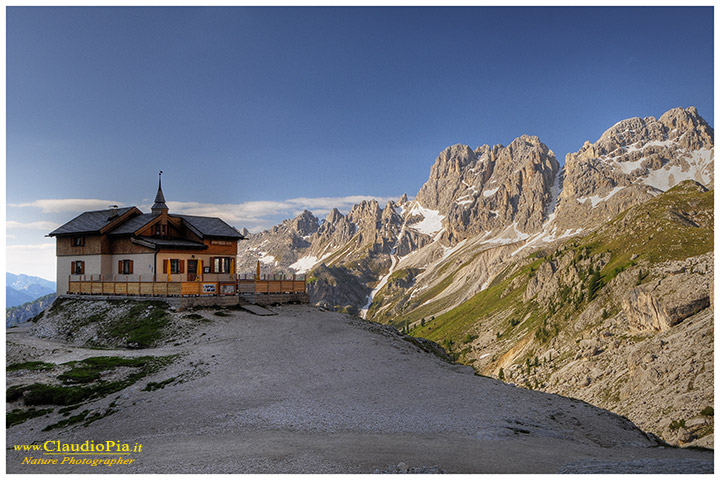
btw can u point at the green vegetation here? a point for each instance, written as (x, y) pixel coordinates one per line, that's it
(36, 366)
(658, 230)
(91, 369)
(18, 415)
(143, 326)
(158, 385)
(68, 421)
(85, 372)
(400, 275)
(455, 323)
(594, 284)
(677, 424)
(707, 412)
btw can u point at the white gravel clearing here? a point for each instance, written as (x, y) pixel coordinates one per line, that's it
(318, 392)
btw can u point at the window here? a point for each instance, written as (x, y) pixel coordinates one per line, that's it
(78, 241)
(176, 265)
(221, 264)
(125, 267)
(160, 230)
(77, 267)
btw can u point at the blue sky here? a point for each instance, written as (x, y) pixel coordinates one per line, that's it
(256, 113)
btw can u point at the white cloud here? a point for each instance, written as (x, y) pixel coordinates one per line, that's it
(323, 205)
(61, 205)
(32, 259)
(39, 259)
(253, 212)
(32, 225)
(258, 215)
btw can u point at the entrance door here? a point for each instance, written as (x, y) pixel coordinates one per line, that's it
(192, 270)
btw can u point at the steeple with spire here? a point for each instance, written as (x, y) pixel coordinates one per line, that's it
(159, 206)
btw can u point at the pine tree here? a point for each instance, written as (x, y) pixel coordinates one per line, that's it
(594, 284)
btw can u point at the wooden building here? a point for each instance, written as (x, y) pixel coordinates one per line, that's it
(125, 245)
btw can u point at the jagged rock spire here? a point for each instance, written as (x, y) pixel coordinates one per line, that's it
(159, 205)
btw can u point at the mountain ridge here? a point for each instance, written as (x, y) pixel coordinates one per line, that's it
(484, 192)
(489, 214)
(21, 288)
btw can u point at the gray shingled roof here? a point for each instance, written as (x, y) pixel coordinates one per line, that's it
(89, 222)
(210, 226)
(168, 243)
(133, 224)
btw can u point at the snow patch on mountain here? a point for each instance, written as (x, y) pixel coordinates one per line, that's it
(628, 167)
(304, 264)
(511, 234)
(595, 199)
(450, 250)
(267, 259)
(431, 222)
(491, 192)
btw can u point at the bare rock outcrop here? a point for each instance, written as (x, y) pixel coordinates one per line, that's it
(492, 188)
(631, 162)
(668, 300)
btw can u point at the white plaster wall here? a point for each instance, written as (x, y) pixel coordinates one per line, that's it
(93, 266)
(142, 267)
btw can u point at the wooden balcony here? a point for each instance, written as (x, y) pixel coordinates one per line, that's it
(238, 286)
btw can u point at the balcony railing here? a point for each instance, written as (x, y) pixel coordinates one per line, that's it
(240, 285)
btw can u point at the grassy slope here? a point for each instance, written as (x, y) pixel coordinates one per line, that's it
(654, 231)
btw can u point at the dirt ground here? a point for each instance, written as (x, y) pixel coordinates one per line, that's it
(307, 391)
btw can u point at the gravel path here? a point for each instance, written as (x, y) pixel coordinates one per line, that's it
(318, 392)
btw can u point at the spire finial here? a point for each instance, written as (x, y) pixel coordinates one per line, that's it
(159, 198)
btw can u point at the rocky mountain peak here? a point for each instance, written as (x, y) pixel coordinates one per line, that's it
(334, 216)
(490, 189)
(305, 224)
(632, 161)
(389, 213)
(365, 212)
(445, 175)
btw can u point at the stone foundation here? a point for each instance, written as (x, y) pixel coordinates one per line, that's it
(182, 303)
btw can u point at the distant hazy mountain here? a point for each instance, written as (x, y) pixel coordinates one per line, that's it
(22, 288)
(26, 311)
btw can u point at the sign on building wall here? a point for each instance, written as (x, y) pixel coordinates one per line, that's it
(208, 288)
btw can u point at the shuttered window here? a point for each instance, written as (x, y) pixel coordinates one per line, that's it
(176, 266)
(221, 264)
(78, 267)
(125, 267)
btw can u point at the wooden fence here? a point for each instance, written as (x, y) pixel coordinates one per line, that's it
(171, 289)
